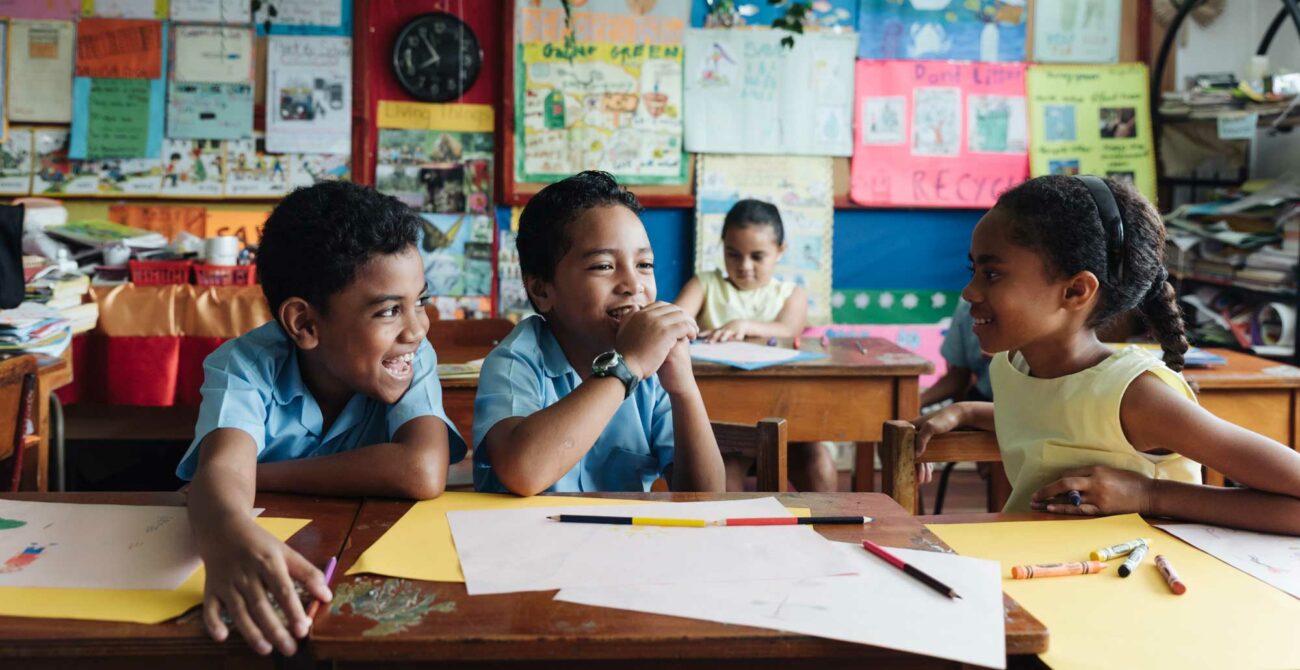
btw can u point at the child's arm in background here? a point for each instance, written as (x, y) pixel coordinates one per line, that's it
(954, 383)
(697, 463)
(413, 465)
(1158, 418)
(244, 562)
(789, 322)
(975, 415)
(691, 298)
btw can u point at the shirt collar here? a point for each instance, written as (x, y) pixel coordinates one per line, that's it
(289, 387)
(554, 362)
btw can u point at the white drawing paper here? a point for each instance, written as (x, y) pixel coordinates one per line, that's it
(1272, 559)
(309, 95)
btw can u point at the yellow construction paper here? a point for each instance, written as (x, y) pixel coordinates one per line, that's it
(1227, 619)
(419, 545)
(432, 116)
(130, 605)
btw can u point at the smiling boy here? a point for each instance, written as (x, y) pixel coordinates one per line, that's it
(337, 395)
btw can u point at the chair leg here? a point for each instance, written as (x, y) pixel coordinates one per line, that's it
(57, 453)
(943, 487)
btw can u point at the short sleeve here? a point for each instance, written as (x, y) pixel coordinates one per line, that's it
(235, 395)
(508, 385)
(662, 438)
(424, 398)
(954, 345)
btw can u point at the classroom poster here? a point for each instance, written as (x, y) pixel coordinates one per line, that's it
(613, 104)
(125, 9)
(822, 15)
(252, 172)
(119, 48)
(1092, 119)
(204, 111)
(309, 95)
(512, 299)
(983, 30)
(748, 94)
(211, 11)
(56, 10)
(192, 168)
(800, 187)
(16, 162)
(40, 67)
(938, 134)
(436, 171)
(1077, 31)
(305, 17)
(457, 253)
(308, 169)
(212, 54)
(117, 112)
(50, 166)
(114, 177)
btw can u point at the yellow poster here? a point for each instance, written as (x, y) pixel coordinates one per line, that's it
(1092, 119)
(432, 116)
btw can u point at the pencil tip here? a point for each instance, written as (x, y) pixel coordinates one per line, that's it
(953, 594)
(554, 517)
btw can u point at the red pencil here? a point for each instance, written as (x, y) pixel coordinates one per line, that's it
(329, 574)
(911, 571)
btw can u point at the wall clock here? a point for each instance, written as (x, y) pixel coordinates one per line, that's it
(436, 57)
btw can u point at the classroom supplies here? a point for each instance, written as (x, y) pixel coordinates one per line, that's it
(131, 605)
(1057, 569)
(1272, 559)
(629, 520)
(878, 606)
(861, 349)
(749, 355)
(1229, 621)
(909, 570)
(701, 523)
(329, 575)
(505, 551)
(795, 343)
(1117, 550)
(1167, 571)
(1075, 497)
(1134, 559)
(771, 341)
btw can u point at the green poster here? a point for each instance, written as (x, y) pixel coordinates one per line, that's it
(119, 119)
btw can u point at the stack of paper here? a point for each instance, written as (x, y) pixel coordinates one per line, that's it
(468, 370)
(32, 328)
(747, 355)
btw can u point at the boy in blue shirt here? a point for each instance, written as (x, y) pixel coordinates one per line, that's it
(337, 395)
(597, 393)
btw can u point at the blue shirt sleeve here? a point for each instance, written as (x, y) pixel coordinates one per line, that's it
(235, 395)
(956, 341)
(662, 442)
(509, 385)
(424, 398)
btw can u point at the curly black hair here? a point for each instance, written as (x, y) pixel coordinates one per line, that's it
(749, 212)
(319, 235)
(543, 238)
(1057, 216)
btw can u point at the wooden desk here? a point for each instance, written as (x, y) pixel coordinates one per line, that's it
(846, 397)
(86, 644)
(408, 622)
(52, 374)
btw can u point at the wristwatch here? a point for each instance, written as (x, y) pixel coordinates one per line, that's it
(611, 364)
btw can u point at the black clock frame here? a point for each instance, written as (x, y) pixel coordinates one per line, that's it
(464, 83)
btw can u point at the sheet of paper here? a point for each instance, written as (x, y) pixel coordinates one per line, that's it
(134, 606)
(504, 551)
(210, 11)
(744, 354)
(1077, 32)
(251, 172)
(40, 68)
(119, 48)
(308, 169)
(125, 9)
(1272, 559)
(879, 606)
(1227, 619)
(198, 111)
(942, 30)
(459, 117)
(16, 164)
(457, 253)
(213, 55)
(436, 170)
(309, 95)
(119, 118)
(306, 17)
(193, 168)
(61, 10)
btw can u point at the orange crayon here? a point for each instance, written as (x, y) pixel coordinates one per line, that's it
(1057, 569)
(1171, 578)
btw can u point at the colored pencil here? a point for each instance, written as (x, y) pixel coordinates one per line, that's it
(911, 571)
(701, 523)
(329, 574)
(861, 349)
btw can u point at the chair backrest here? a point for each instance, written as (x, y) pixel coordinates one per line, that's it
(460, 333)
(898, 456)
(765, 442)
(18, 418)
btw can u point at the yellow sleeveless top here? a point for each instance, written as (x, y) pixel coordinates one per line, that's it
(723, 302)
(1046, 426)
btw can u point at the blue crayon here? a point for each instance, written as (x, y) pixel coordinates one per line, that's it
(1075, 498)
(771, 342)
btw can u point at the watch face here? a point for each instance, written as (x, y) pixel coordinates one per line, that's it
(605, 361)
(437, 57)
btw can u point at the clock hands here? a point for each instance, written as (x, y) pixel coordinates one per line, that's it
(432, 52)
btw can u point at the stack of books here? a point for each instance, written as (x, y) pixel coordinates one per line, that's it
(62, 291)
(32, 328)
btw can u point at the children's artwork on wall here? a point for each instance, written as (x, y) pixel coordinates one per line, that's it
(40, 70)
(16, 162)
(436, 171)
(1092, 119)
(116, 118)
(211, 11)
(114, 177)
(822, 15)
(613, 104)
(468, 307)
(1077, 31)
(125, 9)
(984, 30)
(749, 94)
(800, 187)
(204, 111)
(57, 10)
(308, 169)
(512, 299)
(212, 54)
(309, 95)
(192, 168)
(119, 48)
(938, 134)
(305, 17)
(51, 168)
(251, 172)
(457, 252)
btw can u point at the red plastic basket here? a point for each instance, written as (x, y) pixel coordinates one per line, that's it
(155, 273)
(225, 275)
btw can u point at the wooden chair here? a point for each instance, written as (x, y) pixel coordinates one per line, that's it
(18, 419)
(764, 442)
(462, 333)
(898, 456)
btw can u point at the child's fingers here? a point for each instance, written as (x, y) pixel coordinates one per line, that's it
(244, 624)
(271, 628)
(309, 575)
(280, 585)
(212, 618)
(1072, 510)
(1063, 486)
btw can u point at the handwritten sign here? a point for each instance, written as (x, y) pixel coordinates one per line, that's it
(119, 118)
(932, 134)
(1238, 126)
(119, 48)
(430, 116)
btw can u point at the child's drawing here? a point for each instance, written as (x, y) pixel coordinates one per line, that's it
(882, 120)
(23, 558)
(936, 121)
(996, 124)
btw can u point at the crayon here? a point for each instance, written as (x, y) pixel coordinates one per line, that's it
(771, 342)
(1057, 569)
(795, 343)
(1076, 498)
(1134, 559)
(1171, 578)
(1117, 550)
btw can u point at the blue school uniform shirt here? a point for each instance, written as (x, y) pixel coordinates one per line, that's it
(253, 383)
(528, 372)
(962, 349)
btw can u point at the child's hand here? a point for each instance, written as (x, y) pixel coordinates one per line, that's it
(732, 330)
(934, 423)
(645, 339)
(245, 569)
(676, 375)
(1104, 491)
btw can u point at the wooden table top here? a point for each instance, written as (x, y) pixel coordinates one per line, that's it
(23, 637)
(1244, 371)
(375, 617)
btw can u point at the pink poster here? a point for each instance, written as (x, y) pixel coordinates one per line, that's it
(61, 10)
(938, 134)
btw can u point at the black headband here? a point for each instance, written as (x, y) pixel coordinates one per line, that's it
(1111, 222)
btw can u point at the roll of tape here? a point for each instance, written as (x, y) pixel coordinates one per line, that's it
(1276, 324)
